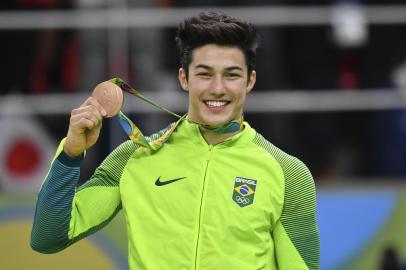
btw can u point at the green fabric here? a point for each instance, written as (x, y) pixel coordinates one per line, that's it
(298, 219)
(52, 213)
(99, 196)
(195, 222)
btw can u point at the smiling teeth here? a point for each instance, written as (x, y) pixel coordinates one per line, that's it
(216, 103)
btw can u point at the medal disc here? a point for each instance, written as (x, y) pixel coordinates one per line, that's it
(110, 97)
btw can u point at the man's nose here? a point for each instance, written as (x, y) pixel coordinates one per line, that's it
(217, 84)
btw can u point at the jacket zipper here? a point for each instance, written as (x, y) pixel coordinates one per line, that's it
(201, 205)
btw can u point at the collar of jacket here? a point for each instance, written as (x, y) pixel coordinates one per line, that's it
(190, 132)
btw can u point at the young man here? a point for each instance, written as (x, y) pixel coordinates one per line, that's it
(215, 195)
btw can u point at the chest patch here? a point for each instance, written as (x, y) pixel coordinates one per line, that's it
(244, 191)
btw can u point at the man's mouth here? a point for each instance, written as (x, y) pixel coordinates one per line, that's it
(216, 103)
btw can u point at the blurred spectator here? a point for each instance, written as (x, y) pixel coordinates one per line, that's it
(390, 260)
(320, 57)
(38, 60)
(389, 132)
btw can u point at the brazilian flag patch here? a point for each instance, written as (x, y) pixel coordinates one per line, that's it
(244, 191)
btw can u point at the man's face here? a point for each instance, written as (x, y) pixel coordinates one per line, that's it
(218, 83)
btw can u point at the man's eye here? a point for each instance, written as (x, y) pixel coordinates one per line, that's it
(233, 75)
(203, 74)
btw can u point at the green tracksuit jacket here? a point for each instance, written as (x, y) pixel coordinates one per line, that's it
(241, 204)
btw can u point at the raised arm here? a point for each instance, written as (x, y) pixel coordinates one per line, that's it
(63, 214)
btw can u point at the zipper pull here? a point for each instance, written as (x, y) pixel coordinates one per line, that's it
(209, 152)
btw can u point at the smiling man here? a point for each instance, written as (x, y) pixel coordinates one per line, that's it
(215, 195)
(217, 80)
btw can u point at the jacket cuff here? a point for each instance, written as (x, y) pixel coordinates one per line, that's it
(69, 161)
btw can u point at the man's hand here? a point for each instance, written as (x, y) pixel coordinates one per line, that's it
(84, 127)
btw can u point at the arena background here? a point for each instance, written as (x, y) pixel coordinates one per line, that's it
(331, 90)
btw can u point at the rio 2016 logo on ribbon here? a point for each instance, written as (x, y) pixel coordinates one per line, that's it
(244, 191)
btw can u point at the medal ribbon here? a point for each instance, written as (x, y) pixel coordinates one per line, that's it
(135, 134)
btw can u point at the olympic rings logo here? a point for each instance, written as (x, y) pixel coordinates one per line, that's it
(242, 200)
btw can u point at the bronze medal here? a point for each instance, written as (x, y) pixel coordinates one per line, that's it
(110, 97)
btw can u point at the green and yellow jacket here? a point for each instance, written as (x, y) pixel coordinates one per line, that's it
(240, 204)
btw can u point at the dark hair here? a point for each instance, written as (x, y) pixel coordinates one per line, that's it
(216, 28)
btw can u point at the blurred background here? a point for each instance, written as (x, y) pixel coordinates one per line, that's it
(331, 90)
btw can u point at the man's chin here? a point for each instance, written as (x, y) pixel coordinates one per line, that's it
(216, 123)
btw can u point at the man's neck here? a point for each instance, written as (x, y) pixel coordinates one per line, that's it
(213, 138)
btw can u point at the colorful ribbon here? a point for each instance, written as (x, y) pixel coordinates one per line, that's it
(135, 134)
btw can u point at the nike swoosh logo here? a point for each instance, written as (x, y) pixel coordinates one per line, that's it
(159, 183)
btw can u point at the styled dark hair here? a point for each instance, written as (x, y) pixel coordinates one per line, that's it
(216, 28)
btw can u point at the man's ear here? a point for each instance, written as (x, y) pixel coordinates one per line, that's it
(183, 79)
(251, 80)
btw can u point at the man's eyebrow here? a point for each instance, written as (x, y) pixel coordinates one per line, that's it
(203, 66)
(233, 68)
(210, 68)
